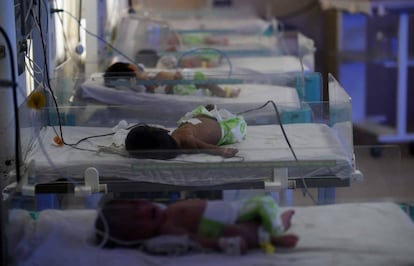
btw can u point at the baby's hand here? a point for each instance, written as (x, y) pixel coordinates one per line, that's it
(229, 152)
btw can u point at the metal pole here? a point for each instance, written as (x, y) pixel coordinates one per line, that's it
(402, 75)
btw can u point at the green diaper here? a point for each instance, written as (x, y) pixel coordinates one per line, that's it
(210, 228)
(264, 209)
(191, 89)
(233, 127)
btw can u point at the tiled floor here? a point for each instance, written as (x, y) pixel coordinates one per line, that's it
(387, 177)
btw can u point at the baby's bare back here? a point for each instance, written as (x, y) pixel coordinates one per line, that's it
(204, 135)
(186, 214)
(208, 131)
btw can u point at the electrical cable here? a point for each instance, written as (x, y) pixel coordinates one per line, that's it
(46, 78)
(79, 19)
(280, 123)
(15, 104)
(303, 178)
(186, 53)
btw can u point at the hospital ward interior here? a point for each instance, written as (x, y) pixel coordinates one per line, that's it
(207, 132)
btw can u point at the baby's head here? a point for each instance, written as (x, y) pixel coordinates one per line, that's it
(147, 142)
(118, 70)
(123, 222)
(123, 70)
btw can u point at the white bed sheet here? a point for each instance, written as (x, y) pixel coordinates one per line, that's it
(263, 149)
(245, 25)
(369, 234)
(235, 42)
(270, 65)
(250, 64)
(94, 89)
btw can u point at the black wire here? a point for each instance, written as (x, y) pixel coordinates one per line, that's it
(73, 145)
(280, 123)
(47, 16)
(80, 17)
(305, 189)
(49, 87)
(47, 69)
(15, 104)
(47, 78)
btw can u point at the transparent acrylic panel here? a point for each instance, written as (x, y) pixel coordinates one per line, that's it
(159, 41)
(284, 131)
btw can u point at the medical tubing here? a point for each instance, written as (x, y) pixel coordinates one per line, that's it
(55, 10)
(52, 94)
(280, 123)
(107, 236)
(15, 105)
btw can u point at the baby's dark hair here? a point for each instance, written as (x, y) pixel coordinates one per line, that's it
(117, 70)
(147, 142)
(147, 57)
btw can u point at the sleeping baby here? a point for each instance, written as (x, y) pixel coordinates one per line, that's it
(204, 129)
(230, 227)
(127, 70)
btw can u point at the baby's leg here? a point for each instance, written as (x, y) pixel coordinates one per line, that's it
(286, 218)
(286, 241)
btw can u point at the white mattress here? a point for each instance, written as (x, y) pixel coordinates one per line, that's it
(261, 64)
(242, 45)
(94, 90)
(317, 146)
(245, 25)
(266, 64)
(369, 234)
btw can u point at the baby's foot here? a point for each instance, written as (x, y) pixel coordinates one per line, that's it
(285, 241)
(234, 93)
(286, 218)
(229, 152)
